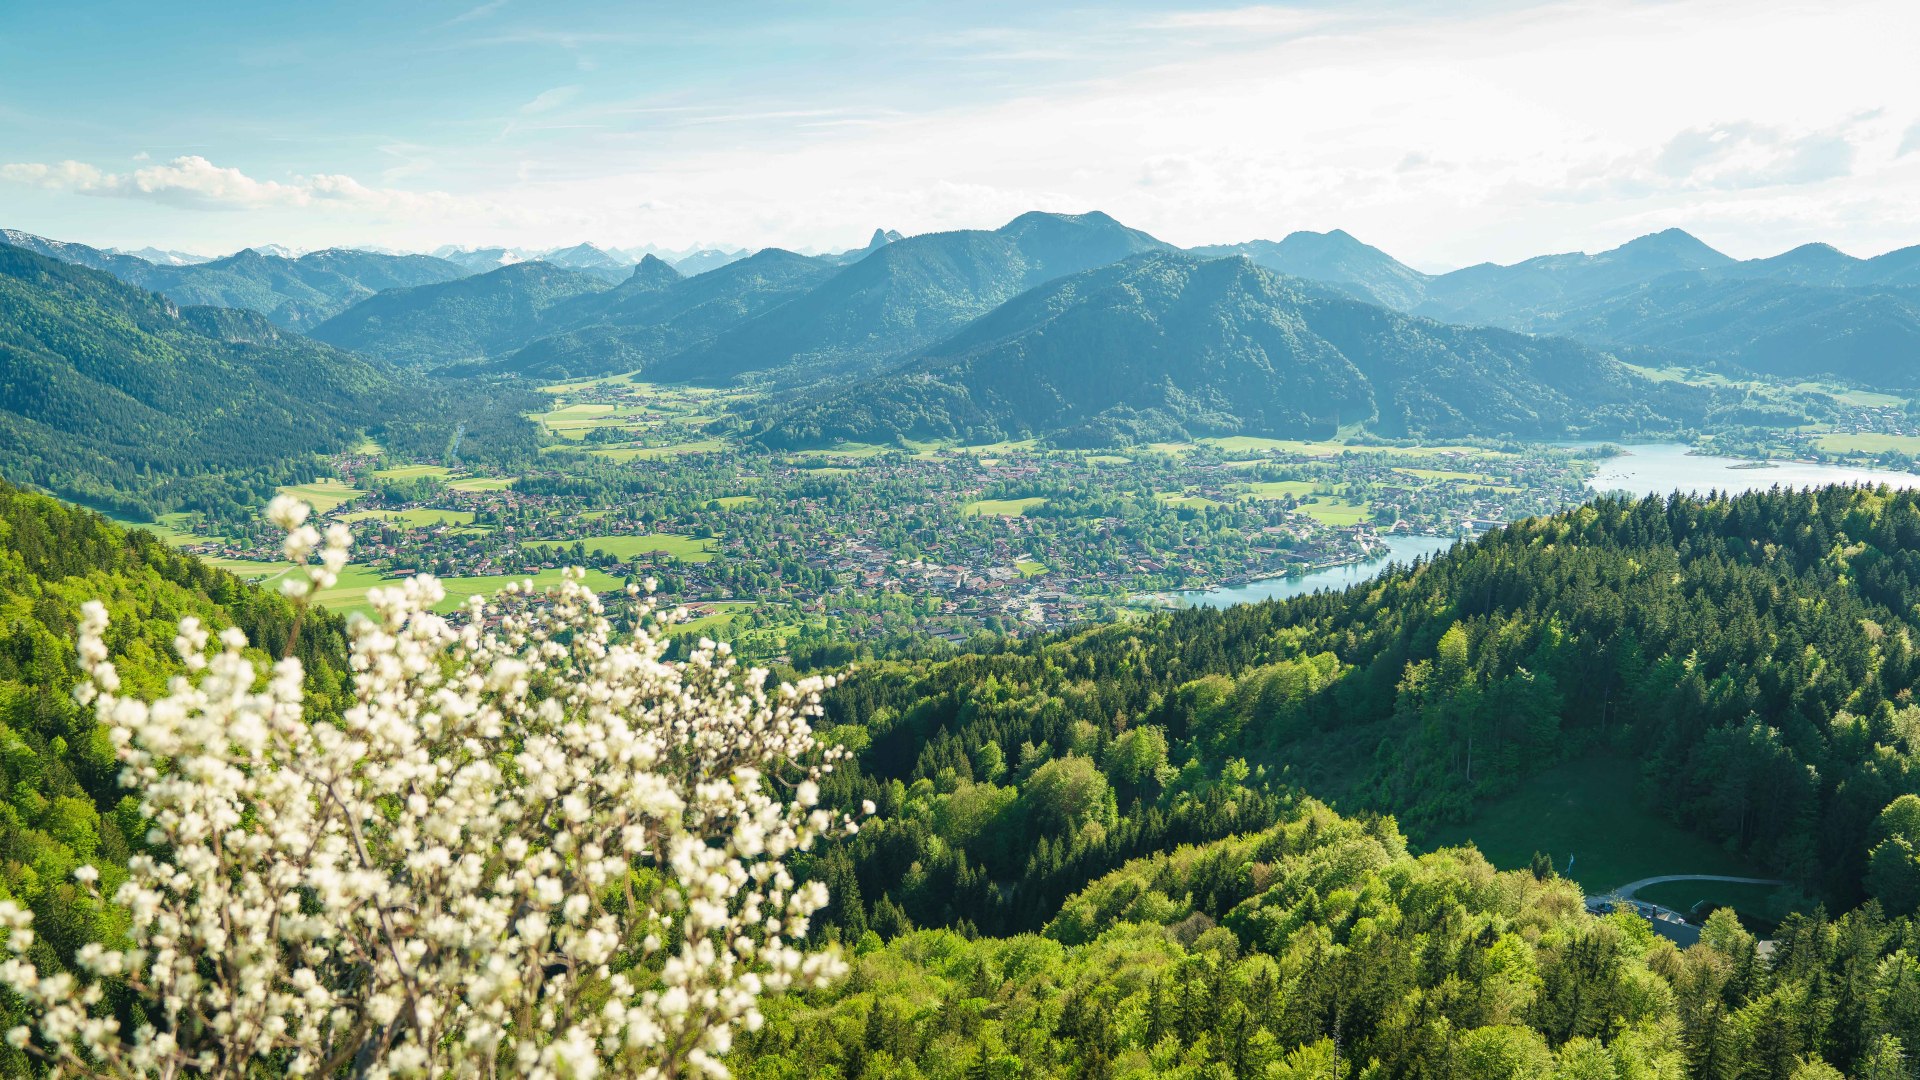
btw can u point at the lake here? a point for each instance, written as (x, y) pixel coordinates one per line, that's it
(1664, 468)
(1400, 549)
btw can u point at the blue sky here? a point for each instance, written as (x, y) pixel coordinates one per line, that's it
(1446, 133)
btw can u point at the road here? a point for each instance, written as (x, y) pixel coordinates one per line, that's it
(1625, 892)
(1667, 922)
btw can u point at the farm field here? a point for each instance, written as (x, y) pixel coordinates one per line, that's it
(1868, 443)
(1000, 507)
(412, 472)
(629, 453)
(684, 548)
(418, 517)
(481, 483)
(324, 495)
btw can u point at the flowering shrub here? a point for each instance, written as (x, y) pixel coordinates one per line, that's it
(525, 849)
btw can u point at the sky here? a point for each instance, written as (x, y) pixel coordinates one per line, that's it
(1447, 133)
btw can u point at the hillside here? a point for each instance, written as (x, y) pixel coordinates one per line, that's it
(1103, 850)
(297, 294)
(1507, 295)
(123, 398)
(465, 319)
(68, 807)
(1761, 691)
(650, 317)
(1870, 335)
(907, 294)
(1172, 346)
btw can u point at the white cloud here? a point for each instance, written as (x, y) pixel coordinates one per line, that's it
(194, 183)
(1444, 133)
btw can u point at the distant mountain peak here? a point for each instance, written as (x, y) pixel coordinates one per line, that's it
(881, 238)
(1677, 244)
(654, 271)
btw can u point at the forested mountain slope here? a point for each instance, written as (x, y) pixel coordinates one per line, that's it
(907, 294)
(1755, 655)
(466, 319)
(1869, 335)
(1173, 346)
(648, 318)
(296, 294)
(64, 804)
(1319, 948)
(122, 398)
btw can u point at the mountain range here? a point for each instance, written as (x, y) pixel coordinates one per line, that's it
(1167, 345)
(294, 293)
(123, 398)
(792, 321)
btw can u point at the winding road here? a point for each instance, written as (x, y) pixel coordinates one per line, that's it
(1625, 892)
(1666, 921)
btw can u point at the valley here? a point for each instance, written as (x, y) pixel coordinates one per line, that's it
(1169, 600)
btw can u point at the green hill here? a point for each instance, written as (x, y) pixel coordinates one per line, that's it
(1869, 335)
(121, 398)
(64, 804)
(467, 319)
(1334, 258)
(908, 294)
(650, 317)
(1172, 346)
(296, 294)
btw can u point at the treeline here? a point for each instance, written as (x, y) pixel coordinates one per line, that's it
(1319, 948)
(1754, 654)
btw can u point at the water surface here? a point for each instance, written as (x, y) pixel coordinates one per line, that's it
(1664, 468)
(1400, 549)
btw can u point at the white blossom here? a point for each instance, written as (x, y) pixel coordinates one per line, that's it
(504, 825)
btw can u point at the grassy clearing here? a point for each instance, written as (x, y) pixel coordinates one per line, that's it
(249, 569)
(684, 548)
(856, 451)
(170, 529)
(629, 453)
(1868, 443)
(324, 495)
(710, 625)
(1589, 810)
(417, 518)
(459, 588)
(1000, 507)
(411, 472)
(350, 594)
(1030, 568)
(1332, 511)
(595, 383)
(1870, 399)
(482, 483)
(1279, 489)
(1197, 502)
(732, 501)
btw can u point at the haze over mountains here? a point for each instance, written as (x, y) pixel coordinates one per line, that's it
(1054, 325)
